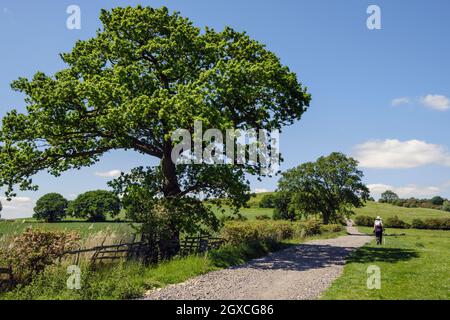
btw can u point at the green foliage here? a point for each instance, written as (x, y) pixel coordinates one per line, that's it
(311, 227)
(418, 224)
(446, 206)
(389, 196)
(267, 201)
(235, 232)
(364, 221)
(331, 187)
(263, 217)
(437, 224)
(396, 222)
(328, 228)
(33, 250)
(147, 73)
(50, 208)
(95, 205)
(283, 208)
(438, 201)
(434, 203)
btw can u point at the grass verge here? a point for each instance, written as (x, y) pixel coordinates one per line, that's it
(414, 266)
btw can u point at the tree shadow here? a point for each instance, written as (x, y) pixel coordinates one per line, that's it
(381, 254)
(314, 256)
(302, 258)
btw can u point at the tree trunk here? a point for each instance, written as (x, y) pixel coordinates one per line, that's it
(326, 218)
(171, 187)
(169, 244)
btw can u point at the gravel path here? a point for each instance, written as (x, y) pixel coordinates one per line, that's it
(297, 273)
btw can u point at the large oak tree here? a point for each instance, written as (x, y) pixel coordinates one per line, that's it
(146, 73)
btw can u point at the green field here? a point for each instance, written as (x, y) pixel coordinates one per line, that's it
(414, 266)
(374, 209)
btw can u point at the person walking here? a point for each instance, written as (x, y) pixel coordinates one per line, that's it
(378, 230)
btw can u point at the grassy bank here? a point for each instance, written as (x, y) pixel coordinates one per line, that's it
(415, 266)
(132, 280)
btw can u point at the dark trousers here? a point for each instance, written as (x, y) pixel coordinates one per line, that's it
(379, 236)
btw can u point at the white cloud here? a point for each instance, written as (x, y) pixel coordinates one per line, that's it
(261, 190)
(436, 102)
(394, 154)
(19, 207)
(109, 174)
(400, 101)
(408, 191)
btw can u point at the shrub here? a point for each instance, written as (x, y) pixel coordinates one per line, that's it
(50, 208)
(263, 217)
(438, 201)
(95, 205)
(236, 217)
(446, 206)
(437, 224)
(33, 250)
(283, 210)
(331, 228)
(364, 221)
(396, 222)
(311, 227)
(418, 224)
(267, 201)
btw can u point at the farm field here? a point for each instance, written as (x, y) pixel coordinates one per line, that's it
(414, 266)
(384, 210)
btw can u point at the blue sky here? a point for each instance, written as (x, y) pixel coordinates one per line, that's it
(378, 95)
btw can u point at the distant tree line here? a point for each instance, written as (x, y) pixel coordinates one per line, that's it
(93, 206)
(437, 202)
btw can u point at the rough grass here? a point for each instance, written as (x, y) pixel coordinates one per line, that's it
(11, 227)
(415, 266)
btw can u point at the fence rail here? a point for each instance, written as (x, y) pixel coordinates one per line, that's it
(141, 250)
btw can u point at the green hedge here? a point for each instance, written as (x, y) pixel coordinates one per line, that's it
(432, 224)
(364, 221)
(238, 232)
(396, 222)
